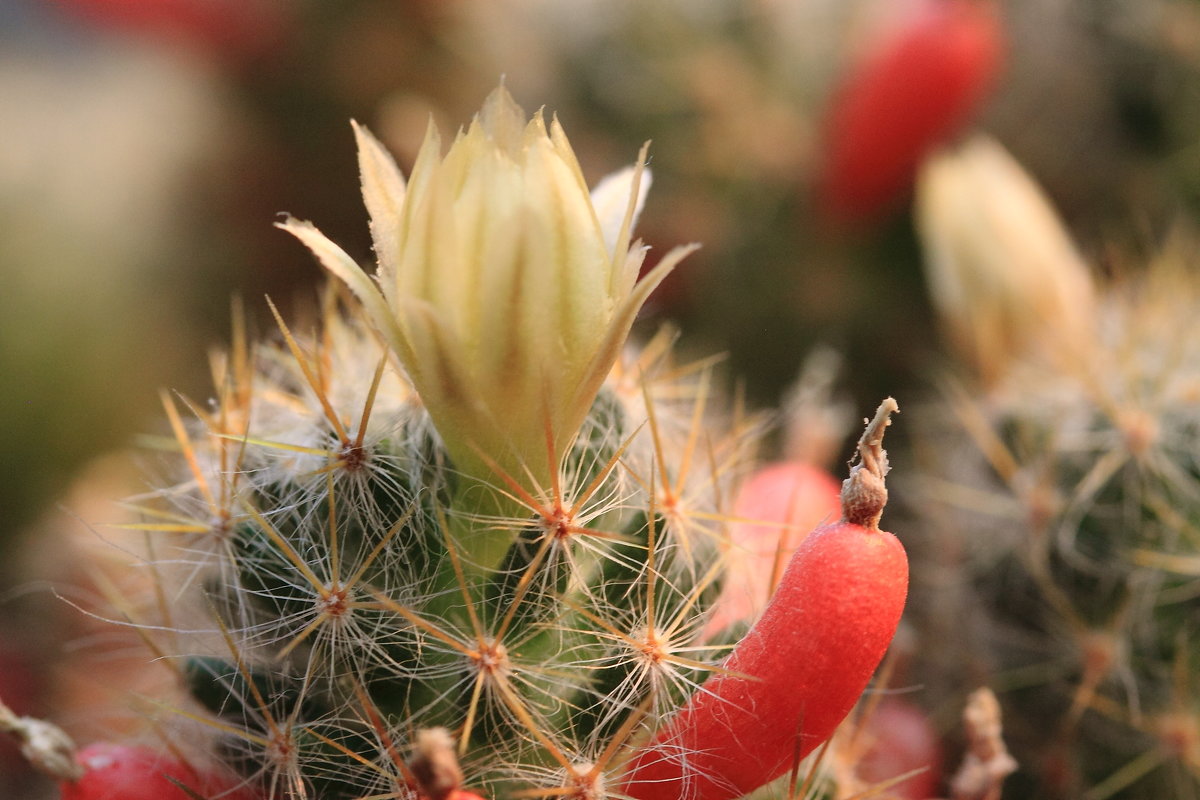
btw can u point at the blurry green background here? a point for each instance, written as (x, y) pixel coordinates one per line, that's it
(146, 146)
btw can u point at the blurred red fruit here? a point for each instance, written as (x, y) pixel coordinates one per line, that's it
(790, 493)
(232, 29)
(120, 772)
(901, 739)
(916, 89)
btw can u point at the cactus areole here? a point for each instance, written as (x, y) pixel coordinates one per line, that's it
(799, 671)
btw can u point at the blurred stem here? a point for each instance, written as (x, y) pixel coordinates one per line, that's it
(481, 527)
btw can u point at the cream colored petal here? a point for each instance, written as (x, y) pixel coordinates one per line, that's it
(632, 304)
(562, 147)
(443, 381)
(413, 229)
(630, 269)
(613, 339)
(568, 262)
(446, 276)
(462, 407)
(611, 198)
(429, 263)
(535, 130)
(609, 229)
(336, 260)
(487, 212)
(504, 121)
(625, 233)
(383, 191)
(468, 146)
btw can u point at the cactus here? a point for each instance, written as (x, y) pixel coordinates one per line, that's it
(336, 573)
(1071, 481)
(458, 513)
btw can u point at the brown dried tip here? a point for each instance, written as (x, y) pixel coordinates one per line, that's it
(864, 494)
(987, 762)
(434, 765)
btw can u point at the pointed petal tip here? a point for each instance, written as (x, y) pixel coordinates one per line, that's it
(612, 198)
(293, 224)
(361, 133)
(503, 120)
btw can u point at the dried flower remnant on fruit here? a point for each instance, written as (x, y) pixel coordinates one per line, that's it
(864, 493)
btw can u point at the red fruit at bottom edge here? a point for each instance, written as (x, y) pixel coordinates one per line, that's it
(791, 680)
(120, 772)
(463, 794)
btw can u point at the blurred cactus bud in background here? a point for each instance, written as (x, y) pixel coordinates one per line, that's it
(915, 89)
(1003, 271)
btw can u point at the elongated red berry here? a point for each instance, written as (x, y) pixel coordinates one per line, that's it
(913, 92)
(804, 664)
(121, 772)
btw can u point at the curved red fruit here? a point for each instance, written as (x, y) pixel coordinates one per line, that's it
(901, 739)
(790, 493)
(121, 772)
(791, 680)
(916, 90)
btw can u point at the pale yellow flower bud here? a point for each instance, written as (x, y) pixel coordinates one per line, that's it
(506, 289)
(1003, 271)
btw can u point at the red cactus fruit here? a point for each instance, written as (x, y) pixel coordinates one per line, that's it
(803, 665)
(121, 772)
(915, 90)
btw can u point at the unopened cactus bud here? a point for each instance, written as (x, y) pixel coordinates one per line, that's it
(1070, 493)
(1003, 271)
(506, 289)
